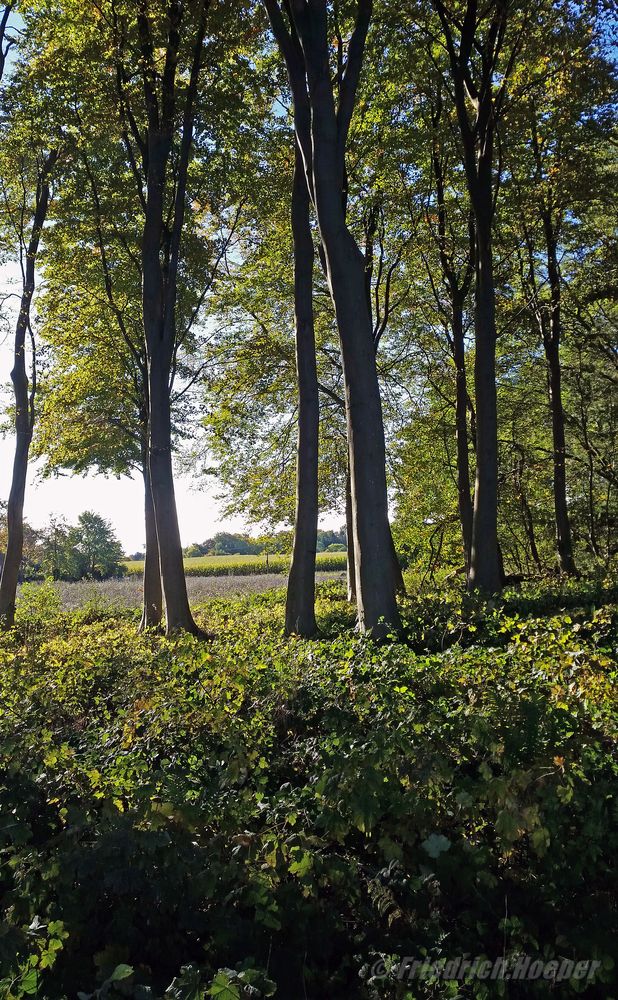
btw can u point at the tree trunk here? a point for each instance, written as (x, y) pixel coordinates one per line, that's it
(161, 251)
(484, 572)
(349, 528)
(563, 527)
(400, 587)
(15, 508)
(152, 591)
(24, 408)
(551, 342)
(461, 430)
(177, 611)
(300, 602)
(375, 586)
(322, 136)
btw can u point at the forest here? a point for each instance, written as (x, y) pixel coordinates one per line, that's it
(352, 260)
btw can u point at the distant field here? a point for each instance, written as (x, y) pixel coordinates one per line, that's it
(246, 565)
(127, 592)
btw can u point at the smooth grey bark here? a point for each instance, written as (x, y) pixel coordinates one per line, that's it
(152, 592)
(160, 259)
(464, 498)
(552, 335)
(300, 600)
(349, 527)
(322, 136)
(345, 267)
(24, 405)
(383, 311)
(375, 589)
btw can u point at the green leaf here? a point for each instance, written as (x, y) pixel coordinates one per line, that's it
(223, 988)
(30, 982)
(187, 985)
(436, 844)
(121, 972)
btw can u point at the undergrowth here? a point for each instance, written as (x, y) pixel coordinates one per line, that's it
(256, 816)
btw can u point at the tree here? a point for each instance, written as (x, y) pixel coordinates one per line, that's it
(109, 182)
(98, 553)
(32, 552)
(87, 549)
(29, 159)
(555, 177)
(300, 602)
(322, 137)
(475, 45)
(6, 41)
(160, 257)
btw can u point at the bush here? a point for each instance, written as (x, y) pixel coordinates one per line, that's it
(253, 813)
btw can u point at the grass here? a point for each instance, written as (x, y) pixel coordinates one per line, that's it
(246, 565)
(259, 816)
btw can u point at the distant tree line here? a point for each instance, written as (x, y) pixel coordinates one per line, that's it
(226, 543)
(88, 549)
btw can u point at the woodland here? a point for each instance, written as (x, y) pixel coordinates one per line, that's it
(344, 258)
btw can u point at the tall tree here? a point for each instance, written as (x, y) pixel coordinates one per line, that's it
(303, 35)
(6, 41)
(160, 257)
(480, 69)
(300, 602)
(28, 163)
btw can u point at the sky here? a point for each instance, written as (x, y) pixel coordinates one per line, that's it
(120, 501)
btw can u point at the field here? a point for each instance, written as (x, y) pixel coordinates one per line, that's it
(126, 592)
(253, 816)
(246, 565)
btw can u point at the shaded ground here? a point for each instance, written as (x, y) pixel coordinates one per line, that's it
(127, 592)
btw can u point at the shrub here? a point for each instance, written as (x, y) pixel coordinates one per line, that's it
(253, 813)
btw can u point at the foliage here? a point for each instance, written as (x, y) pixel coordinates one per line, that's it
(31, 560)
(87, 550)
(183, 819)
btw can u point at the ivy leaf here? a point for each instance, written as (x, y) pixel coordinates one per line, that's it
(436, 844)
(223, 988)
(186, 986)
(121, 971)
(30, 982)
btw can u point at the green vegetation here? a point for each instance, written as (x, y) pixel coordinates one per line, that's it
(87, 550)
(299, 810)
(226, 543)
(352, 259)
(246, 565)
